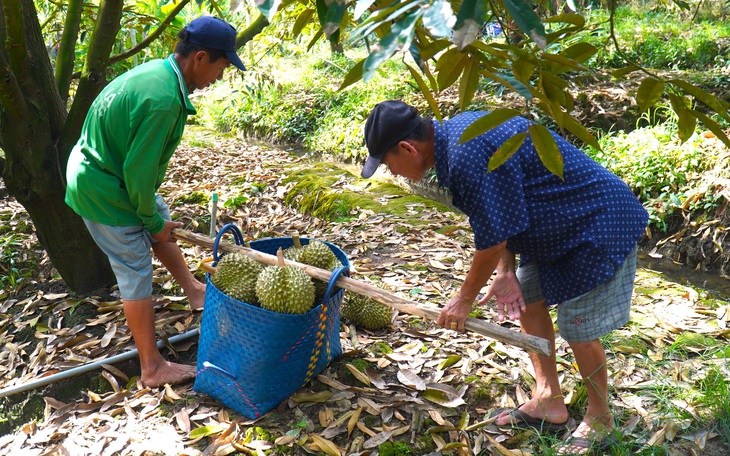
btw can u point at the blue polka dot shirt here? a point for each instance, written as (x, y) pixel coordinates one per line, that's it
(578, 231)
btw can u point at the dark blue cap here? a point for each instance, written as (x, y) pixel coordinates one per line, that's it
(387, 124)
(213, 33)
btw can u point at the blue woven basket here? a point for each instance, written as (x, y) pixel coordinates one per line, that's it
(251, 359)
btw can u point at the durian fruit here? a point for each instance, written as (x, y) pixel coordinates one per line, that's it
(365, 312)
(293, 252)
(319, 255)
(285, 289)
(236, 276)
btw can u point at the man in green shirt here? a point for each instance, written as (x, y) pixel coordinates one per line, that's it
(118, 164)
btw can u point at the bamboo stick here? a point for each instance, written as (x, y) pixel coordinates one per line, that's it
(525, 341)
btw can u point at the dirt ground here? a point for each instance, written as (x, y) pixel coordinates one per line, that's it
(412, 388)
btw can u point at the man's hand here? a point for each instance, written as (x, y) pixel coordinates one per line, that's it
(455, 313)
(506, 289)
(164, 235)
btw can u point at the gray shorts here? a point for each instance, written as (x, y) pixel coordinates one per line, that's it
(128, 249)
(593, 314)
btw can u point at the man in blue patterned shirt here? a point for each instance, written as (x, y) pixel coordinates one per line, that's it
(576, 238)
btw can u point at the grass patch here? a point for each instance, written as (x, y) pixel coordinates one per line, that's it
(657, 38)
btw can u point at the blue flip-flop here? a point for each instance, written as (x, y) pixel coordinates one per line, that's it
(523, 420)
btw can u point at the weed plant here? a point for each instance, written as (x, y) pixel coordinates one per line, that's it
(663, 173)
(290, 98)
(657, 38)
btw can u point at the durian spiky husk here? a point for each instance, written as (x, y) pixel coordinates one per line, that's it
(319, 255)
(293, 252)
(285, 289)
(365, 312)
(236, 276)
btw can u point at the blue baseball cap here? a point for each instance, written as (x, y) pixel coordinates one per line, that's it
(387, 124)
(214, 33)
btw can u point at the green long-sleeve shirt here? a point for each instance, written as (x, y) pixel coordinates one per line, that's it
(131, 131)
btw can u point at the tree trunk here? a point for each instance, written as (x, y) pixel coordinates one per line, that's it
(37, 133)
(33, 174)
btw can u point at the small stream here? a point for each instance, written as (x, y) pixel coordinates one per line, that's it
(712, 282)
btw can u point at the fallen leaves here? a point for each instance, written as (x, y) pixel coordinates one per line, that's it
(419, 384)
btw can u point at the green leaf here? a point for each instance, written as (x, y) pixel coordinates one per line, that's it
(714, 103)
(431, 49)
(547, 149)
(686, 121)
(513, 83)
(204, 431)
(314, 39)
(449, 67)
(650, 91)
(448, 362)
(268, 8)
(523, 69)
(443, 395)
(572, 125)
(580, 52)
(556, 89)
(527, 21)
(487, 122)
(560, 64)
(506, 150)
(495, 50)
(571, 18)
(712, 126)
(426, 93)
(382, 17)
(464, 421)
(439, 18)
(468, 22)
(621, 72)
(305, 396)
(400, 35)
(302, 21)
(354, 75)
(469, 82)
(335, 13)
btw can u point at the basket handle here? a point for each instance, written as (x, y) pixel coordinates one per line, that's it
(333, 278)
(237, 236)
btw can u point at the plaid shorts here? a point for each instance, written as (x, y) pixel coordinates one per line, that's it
(128, 250)
(593, 314)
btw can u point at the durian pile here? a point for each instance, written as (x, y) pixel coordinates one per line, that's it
(279, 288)
(365, 312)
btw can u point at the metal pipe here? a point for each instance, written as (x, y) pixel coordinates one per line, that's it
(87, 367)
(213, 215)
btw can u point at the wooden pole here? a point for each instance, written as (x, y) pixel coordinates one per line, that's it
(525, 341)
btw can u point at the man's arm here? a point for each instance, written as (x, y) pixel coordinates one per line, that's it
(506, 289)
(482, 266)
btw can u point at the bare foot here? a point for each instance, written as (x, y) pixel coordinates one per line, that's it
(168, 372)
(552, 411)
(196, 296)
(592, 435)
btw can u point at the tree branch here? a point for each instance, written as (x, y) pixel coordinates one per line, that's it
(66, 49)
(152, 36)
(252, 30)
(93, 76)
(11, 96)
(17, 57)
